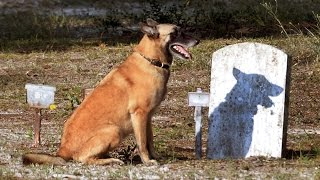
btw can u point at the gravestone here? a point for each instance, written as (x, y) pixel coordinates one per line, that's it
(247, 115)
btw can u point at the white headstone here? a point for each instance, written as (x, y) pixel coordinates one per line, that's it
(247, 102)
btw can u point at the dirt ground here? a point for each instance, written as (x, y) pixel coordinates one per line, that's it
(82, 64)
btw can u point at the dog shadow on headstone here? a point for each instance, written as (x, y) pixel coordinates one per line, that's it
(233, 119)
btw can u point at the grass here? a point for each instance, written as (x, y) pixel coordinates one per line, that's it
(82, 66)
(52, 55)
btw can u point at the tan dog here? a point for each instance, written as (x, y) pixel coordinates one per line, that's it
(123, 102)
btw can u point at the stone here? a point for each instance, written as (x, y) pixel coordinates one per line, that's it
(247, 112)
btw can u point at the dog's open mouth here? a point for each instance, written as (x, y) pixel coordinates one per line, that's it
(180, 51)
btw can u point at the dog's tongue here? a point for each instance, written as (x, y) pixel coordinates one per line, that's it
(182, 50)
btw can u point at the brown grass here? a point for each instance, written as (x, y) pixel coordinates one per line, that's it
(84, 63)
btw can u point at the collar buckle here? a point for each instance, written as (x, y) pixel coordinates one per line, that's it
(156, 62)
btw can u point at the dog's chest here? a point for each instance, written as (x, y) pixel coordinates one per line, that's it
(158, 91)
(160, 94)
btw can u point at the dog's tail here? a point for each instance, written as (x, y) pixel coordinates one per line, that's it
(42, 159)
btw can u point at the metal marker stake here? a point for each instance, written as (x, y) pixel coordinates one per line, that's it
(39, 96)
(198, 99)
(36, 127)
(198, 132)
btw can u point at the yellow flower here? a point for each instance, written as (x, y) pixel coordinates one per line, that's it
(53, 106)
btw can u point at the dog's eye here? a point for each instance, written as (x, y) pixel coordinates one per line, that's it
(174, 33)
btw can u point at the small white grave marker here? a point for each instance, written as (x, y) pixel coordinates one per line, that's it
(247, 102)
(198, 99)
(39, 96)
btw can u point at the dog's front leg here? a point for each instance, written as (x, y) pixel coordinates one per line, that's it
(150, 140)
(139, 123)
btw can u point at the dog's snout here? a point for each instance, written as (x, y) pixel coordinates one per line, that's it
(197, 41)
(194, 41)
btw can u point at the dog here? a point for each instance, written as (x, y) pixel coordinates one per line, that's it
(123, 102)
(233, 118)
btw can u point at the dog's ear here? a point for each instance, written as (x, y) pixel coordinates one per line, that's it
(151, 31)
(236, 73)
(152, 22)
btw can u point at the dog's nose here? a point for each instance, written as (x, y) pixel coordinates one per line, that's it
(197, 41)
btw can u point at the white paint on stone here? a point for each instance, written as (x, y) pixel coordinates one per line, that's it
(247, 96)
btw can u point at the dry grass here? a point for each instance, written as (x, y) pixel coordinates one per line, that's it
(83, 63)
(50, 50)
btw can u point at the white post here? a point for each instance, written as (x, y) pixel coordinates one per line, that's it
(198, 126)
(198, 99)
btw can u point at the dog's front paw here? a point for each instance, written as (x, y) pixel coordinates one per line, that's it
(154, 155)
(151, 163)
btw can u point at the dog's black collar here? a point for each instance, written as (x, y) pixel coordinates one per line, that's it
(156, 62)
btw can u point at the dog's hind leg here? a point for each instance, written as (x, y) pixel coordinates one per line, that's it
(101, 143)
